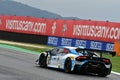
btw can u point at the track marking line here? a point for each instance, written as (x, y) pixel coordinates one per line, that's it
(115, 73)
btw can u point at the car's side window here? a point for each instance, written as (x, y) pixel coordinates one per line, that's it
(54, 51)
(60, 51)
(65, 51)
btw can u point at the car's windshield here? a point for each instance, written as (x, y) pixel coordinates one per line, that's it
(86, 52)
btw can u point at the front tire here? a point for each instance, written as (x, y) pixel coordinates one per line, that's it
(68, 65)
(43, 60)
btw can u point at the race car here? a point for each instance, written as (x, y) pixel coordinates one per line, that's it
(78, 59)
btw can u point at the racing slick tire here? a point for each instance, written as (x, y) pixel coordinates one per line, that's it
(43, 60)
(103, 72)
(68, 65)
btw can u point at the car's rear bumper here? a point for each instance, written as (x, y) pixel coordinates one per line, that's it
(92, 67)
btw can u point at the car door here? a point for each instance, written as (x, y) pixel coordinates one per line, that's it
(61, 54)
(54, 57)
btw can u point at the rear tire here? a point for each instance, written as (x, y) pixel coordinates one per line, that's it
(43, 60)
(103, 72)
(68, 65)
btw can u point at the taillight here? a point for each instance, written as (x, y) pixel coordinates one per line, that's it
(81, 58)
(106, 60)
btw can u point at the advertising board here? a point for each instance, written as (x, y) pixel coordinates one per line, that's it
(78, 29)
(90, 44)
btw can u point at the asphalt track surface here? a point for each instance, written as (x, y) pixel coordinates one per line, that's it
(18, 65)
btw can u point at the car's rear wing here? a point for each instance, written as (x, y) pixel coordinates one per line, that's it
(113, 53)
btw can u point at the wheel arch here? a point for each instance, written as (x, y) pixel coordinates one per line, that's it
(42, 61)
(45, 53)
(72, 63)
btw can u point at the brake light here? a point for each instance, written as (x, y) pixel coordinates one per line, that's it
(81, 58)
(106, 60)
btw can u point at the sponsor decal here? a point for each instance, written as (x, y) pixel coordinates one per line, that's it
(58, 41)
(66, 42)
(109, 47)
(53, 41)
(64, 29)
(96, 45)
(0, 22)
(81, 43)
(97, 31)
(54, 28)
(20, 25)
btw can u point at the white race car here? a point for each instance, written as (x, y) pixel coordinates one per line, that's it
(77, 59)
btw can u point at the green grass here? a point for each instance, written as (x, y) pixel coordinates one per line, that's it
(115, 60)
(32, 48)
